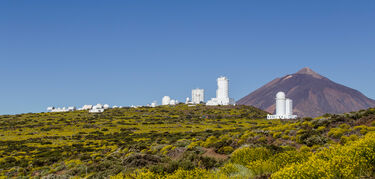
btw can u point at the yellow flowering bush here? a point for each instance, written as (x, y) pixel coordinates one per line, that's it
(166, 149)
(246, 155)
(337, 132)
(355, 160)
(210, 141)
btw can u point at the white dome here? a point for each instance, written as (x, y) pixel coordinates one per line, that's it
(280, 95)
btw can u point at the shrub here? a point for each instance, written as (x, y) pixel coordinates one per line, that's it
(304, 148)
(315, 140)
(310, 138)
(321, 128)
(285, 137)
(194, 144)
(277, 134)
(362, 129)
(337, 132)
(229, 169)
(246, 155)
(141, 160)
(210, 142)
(226, 150)
(166, 149)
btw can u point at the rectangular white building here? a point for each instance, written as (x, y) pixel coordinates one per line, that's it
(197, 96)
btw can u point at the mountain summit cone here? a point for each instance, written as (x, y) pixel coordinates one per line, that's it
(309, 71)
(312, 94)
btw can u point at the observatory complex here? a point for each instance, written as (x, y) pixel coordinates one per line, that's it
(197, 95)
(222, 93)
(284, 108)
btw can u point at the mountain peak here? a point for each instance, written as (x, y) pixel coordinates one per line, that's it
(312, 94)
(309, 71)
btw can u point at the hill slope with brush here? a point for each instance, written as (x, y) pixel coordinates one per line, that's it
(181, 141)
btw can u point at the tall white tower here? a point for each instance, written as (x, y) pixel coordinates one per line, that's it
(288, 107)
(280, 103)
(222, 94)
(197, 96)
(222, 91)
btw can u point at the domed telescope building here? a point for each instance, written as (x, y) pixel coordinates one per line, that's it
(284, 108)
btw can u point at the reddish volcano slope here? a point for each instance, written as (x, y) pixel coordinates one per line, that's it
(312, 94)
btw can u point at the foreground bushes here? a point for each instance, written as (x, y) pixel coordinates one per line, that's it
(355, 160)
(196, 173)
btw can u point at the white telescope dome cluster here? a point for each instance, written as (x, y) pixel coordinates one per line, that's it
(153, 104)
(284, 108)
(63, 109)
(168, 101)
(98, 108)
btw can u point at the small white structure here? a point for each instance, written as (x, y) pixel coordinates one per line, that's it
(173, 102)
(153, 104)
(166, 100)
(187, 101)
(86, 107)
(71, 108)
(64, 109)
(92, 109)
(106, 106)
(97, 109)
(222, 93)
(284, 108)
(197, 96)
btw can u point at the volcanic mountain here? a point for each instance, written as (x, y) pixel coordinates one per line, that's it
(312, 94)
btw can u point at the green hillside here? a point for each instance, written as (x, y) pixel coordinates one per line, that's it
(182, 142)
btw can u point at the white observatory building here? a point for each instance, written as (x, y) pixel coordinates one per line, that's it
(166, 100)
(284, 108)
(222, 93)
(197, 96)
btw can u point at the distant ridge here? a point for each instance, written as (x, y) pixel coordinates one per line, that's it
(312, 94)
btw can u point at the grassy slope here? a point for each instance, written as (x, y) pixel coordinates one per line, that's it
(160, 139)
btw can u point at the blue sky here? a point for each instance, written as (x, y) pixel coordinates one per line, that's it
(73, 52)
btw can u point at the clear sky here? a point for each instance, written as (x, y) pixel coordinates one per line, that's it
(70, 52)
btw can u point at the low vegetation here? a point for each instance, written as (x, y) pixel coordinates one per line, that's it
(186, 142)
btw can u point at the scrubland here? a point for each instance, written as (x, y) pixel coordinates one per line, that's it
(186, 142)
